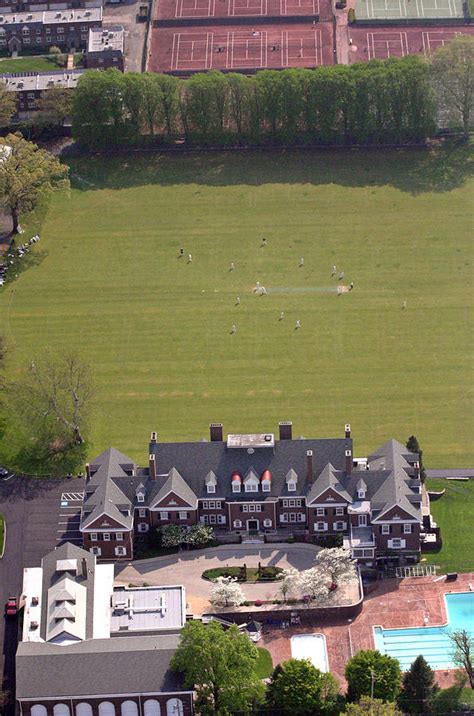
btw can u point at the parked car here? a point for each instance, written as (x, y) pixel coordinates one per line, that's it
(5, 473)
(11, 607)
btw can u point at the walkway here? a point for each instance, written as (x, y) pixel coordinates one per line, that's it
(187, 567)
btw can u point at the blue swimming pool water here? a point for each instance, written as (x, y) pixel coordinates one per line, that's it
(433, 642)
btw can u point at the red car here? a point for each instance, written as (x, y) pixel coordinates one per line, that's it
(11, 607)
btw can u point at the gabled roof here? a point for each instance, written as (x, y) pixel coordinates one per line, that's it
(392, 461)
(110, 463)
(174, 483)
(329, 478)
(291, 476)
(102, 496)
(361, 485)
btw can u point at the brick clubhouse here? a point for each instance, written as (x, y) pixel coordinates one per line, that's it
(257, 484)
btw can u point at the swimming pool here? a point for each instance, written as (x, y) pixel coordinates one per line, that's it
(433, 642)
(312, 647)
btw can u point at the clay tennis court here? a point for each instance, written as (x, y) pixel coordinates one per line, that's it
(184, 50)
(381, 43)
(181, 10)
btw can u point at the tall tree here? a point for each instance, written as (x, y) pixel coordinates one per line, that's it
(297, 687)
(463, 653)
(220, 666)
(27, 173)
(452, 71)
(370, 673)
(336, 564)
(55, 106)
(418, 687)
(413, 446)
(7, 105)
(226, 592)
(374, 707)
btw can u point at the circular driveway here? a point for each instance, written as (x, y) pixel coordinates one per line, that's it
(186, 568)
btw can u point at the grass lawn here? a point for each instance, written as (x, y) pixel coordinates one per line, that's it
(264, 663)
(32, 63)
(454, 514)
(106, 281)
(2, 532)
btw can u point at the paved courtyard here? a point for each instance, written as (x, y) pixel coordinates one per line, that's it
(187, 567)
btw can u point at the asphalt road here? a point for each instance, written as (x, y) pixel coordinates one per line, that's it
(37, 520)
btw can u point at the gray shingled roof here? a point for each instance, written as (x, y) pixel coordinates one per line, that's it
(51, 577)
(102, 495)
(174, 483)
(120, 665)
(328, 478)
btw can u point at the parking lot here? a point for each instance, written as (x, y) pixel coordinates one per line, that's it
(69, 517)
(125, 13)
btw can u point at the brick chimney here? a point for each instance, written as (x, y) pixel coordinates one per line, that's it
(88, 472)
(153, 438)
(216, 432)
(347, 429)
(152, 466)
(309, 466)
(348, 461)
(286, 430)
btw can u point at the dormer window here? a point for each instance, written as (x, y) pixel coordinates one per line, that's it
(266, 486)
(360, 494)
(140, 497)
(266, 481)
(236, 482)
(236, 487)
(211, 488)
(251, 487)
(291, 486)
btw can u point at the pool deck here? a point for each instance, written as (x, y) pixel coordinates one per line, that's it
(393, 604)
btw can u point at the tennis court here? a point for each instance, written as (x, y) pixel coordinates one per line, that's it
(407, 9)
(188, 50)
(189, 9)
(383, 43)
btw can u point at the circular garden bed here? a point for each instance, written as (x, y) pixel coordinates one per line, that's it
(244, 573)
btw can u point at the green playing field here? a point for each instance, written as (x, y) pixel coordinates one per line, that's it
(108, 282)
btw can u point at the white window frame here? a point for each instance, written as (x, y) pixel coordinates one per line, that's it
(385, 529)
(212, 519)
(212, 505)
(119, 536)
(106, 536)
(284, 503)
(245, 508)
(183, 515)
(142, 512)
(143, 527)
(360, 494)
(211, 487)
(301, 517)
(291, 486)
(340, 526)
(204, 519)
(284, 517)
(205, 505)
(164, 515)
(94, 537)
(267, 522)
(252, 508)
(293, 517)
(251, 487)
(320, 512)
(96, 551)
(407, 529)
(221, 519)
(120, 552)
(237, 524)
(140, 497)
(396, 543)
(236, 487)
(321, 527)
(266, 486)
(339, 511)
(361, 520)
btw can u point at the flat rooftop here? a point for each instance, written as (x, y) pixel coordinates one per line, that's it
(30, 81)
(52, 17)
(147, 609)
(105, 38)
(257, 440)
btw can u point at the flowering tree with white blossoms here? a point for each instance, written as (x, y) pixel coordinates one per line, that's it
(336, 565)
(313, 584)
(290, 585)
(226, 592)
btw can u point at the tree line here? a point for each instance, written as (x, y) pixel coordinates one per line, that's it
(380, 102)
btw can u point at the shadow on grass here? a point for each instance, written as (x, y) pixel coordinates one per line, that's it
(415, 171)
(20, 265)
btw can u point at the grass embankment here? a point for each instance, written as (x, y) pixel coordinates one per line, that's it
(454, 512)
(264, 663)
(107, 283)
(2, 533)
